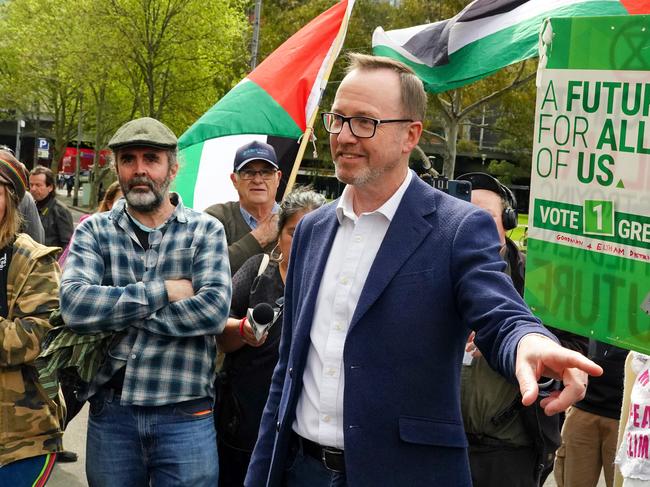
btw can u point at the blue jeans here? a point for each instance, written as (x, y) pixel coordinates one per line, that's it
(306, 471)
(28, 471)
(173, 445)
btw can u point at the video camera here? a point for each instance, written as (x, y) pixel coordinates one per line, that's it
(459, 189)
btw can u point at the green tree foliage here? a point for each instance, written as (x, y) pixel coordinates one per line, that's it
(39, 71)
(169, 59)
(178, 56)
(503, 171)
(509, 93)
(456, 107)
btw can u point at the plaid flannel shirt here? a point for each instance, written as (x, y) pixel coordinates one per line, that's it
(169, 349)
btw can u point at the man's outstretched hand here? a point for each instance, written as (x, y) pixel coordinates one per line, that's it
(539, 356)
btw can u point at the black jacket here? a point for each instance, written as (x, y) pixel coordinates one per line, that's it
(604, 394)
(544, 430)
(57, 222)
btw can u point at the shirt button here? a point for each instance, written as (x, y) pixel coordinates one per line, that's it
(326, 418)
(338, 326)
(331, 372)
(344, 280)
(358, 238)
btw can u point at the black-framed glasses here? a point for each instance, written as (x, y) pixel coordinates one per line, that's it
(266, 174)
(151, 255)
(361, 127)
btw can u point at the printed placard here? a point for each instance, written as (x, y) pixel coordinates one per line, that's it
(588, 268)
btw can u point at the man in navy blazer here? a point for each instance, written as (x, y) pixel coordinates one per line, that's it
(383, 288)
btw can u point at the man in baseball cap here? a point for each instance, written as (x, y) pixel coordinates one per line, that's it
(251, 223)
(255, 151)
(158, 273)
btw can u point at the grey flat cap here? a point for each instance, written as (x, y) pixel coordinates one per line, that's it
(146, 131)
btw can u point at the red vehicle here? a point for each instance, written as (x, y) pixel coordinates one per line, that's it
(69, 161)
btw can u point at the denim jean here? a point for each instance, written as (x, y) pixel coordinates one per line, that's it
(28, 472)
(173, 445)
(306, 471)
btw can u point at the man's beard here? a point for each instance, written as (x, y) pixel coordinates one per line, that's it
(364, 175)
(145, 201)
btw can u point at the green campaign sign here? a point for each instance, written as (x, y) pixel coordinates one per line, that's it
(588, 267)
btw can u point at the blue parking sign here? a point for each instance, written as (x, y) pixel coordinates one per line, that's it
(43, 144)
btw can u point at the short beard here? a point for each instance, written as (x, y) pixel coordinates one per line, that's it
(367, 176)
(145, 202)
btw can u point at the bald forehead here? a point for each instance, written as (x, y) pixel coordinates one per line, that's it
(487, 200)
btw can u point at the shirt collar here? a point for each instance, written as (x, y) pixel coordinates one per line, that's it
(250, 219)
(345, 209)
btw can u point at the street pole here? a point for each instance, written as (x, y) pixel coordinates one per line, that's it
(480, 138)
(256, 33)
(75, 195)
(20, 123)
(37, 129)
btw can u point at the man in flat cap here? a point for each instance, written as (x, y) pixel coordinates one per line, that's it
(154, 274)
(251, 223)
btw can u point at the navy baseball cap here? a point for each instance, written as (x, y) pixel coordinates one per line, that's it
(255, 151)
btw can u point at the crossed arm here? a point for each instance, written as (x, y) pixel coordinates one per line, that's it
(194, 306)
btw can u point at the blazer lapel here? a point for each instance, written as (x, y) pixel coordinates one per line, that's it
(316, 251)
(405, 234)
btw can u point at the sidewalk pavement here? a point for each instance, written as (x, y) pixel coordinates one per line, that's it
(77, 211)
(74, 439)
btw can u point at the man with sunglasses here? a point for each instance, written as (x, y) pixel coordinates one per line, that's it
(251, 224)
(155, 275)
(382, 288)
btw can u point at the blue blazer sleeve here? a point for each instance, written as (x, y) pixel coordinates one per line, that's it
(485, 296)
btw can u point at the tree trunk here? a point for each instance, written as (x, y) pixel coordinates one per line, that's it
(99, 175)
(449, 159)
(426, 162)
(95, 177)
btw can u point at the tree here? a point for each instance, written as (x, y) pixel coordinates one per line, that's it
(178, 56)
(450, 110)
(39, 68)
(170, 59)
(456, 106)
(447, 111)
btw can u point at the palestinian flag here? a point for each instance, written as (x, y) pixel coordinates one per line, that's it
(275, 104)
(484, 37)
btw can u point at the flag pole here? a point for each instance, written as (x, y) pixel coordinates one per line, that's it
(306, 136)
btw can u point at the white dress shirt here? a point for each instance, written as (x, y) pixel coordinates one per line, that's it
(319, 413)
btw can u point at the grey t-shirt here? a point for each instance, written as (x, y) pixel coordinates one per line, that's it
(31, 225)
